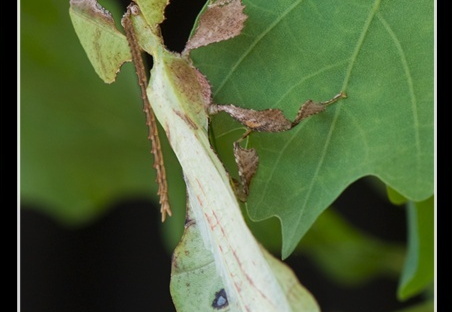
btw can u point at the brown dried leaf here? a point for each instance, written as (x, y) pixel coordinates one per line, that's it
(221, 21)
(247, 161)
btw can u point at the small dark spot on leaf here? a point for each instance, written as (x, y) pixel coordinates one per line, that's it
(189, 222)
(221, 300)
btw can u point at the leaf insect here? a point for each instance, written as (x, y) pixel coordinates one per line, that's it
(181, 99)
(268, 120)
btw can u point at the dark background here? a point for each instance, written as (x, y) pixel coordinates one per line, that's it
(118, 263)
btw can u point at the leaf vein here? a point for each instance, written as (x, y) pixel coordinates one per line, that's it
(410, 83)
(254, 44)
(304, 78)
(276, 162)
(360, 43)
(323, 153)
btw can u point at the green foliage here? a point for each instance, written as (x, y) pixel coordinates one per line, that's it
(418, 272)
(249, 276)
(83, 143)
(347, 255)
(395, 197)
(379, 52)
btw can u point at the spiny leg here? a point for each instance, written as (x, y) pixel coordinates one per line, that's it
(150, 117)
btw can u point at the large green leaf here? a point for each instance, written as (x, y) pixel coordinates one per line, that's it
(379, 52)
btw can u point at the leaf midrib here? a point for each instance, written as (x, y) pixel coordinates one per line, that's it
(254, 43)
(326, 145)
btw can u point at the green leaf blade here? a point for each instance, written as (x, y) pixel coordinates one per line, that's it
(395, 197)
(418, 271)
(292, 51)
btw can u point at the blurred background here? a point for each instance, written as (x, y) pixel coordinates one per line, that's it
(119, 261)
(91, 237)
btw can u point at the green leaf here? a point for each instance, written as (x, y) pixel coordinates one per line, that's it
(83, 143)
(427, 306)
(395, 197)
(196, 284)
(418, 272)
(106, 47)
(379, 52)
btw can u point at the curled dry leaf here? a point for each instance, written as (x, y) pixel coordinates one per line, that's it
(221, 21)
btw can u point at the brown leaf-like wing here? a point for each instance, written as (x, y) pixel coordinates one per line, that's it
(268, 120)
(247, 161)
